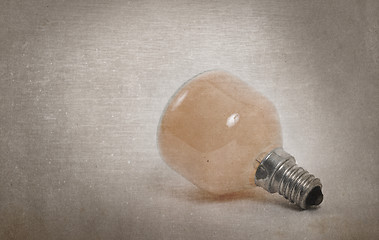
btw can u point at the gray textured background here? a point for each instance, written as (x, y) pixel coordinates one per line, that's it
(83, 84)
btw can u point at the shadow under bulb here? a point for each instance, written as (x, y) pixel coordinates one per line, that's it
(224, 136)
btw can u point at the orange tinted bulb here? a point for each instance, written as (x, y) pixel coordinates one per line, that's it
(216, 131)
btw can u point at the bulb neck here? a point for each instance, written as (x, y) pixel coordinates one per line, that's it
(278, 172)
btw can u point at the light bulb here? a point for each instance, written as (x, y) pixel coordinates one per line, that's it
(224, 136)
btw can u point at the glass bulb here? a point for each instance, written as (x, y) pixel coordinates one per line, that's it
(224, 136)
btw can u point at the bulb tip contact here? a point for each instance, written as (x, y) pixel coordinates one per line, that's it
(314, 197)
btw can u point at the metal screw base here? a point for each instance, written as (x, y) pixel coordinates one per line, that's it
(278, 172)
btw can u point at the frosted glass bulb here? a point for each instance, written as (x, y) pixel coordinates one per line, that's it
(223, 136)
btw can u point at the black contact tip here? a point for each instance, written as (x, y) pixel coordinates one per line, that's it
(314, 197)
